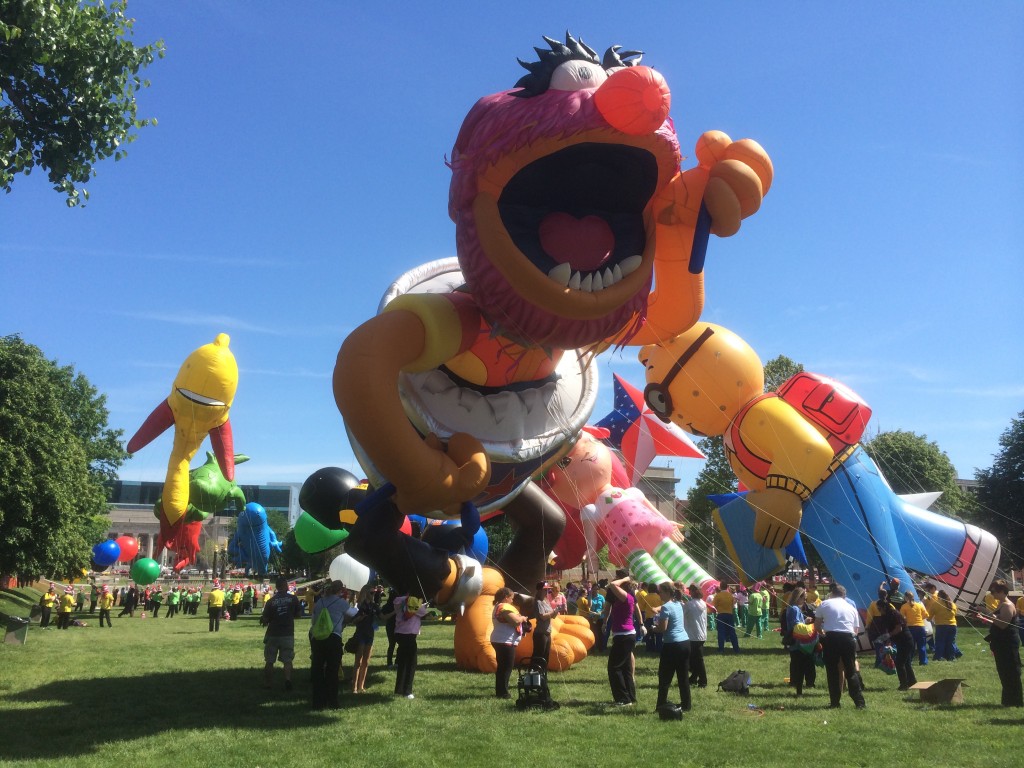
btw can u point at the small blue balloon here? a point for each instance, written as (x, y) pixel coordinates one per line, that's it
(106, 553)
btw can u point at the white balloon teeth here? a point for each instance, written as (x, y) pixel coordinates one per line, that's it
(596, 280)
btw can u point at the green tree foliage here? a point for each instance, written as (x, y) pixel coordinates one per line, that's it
(69, 73)
(1001, 493)
(55, 453)
(778, 370)
(913, 464)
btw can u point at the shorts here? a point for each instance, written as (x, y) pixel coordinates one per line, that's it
(275, 648)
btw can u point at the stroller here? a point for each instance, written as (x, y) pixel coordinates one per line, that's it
(533, 684)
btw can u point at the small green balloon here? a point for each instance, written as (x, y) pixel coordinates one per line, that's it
(145, 571)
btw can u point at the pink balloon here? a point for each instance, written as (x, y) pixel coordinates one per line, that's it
(129, 548)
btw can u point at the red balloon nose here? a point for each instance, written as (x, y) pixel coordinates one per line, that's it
(634, 100)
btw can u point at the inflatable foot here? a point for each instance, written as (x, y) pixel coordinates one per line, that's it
(973, 569)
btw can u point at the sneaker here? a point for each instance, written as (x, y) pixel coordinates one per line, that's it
(410, 696)
(287, 685)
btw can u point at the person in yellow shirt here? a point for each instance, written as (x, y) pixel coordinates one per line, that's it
(725, 619)
(106, 602)
(915, 612)
(944, 615)
(649, 602)
(215, 606)
(67, 604)
(47, 602)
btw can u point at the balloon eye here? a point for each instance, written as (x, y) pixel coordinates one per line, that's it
(564, 462)
(577, 75)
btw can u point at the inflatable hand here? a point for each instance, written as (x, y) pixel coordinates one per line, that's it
(777, 516)
(740, 173)
(457, 474)
(571, 637)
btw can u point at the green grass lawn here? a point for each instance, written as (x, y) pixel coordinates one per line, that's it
(166, 692)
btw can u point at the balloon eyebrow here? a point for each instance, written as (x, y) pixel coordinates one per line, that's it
(539, 78)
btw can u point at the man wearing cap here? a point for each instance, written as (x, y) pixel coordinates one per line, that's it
(106, 601)
(841, 622)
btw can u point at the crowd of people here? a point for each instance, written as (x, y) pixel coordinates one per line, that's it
(670, 620)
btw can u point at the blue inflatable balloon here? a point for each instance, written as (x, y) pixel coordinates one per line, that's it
(106, 553)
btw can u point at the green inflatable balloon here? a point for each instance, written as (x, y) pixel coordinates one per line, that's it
(313, 536)
(145, 571)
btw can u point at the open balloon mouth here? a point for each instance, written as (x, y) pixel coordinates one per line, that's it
(195, 397)
(577, 214)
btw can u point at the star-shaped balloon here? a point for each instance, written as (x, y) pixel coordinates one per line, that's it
(640, 435)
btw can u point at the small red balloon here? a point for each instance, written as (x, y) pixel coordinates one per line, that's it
(129, 548)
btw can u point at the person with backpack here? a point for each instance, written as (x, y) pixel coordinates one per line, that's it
(802, 671)
(329, 614)
(409, 612)
(675, 648)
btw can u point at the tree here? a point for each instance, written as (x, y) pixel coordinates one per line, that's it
(1001, 492)
(778, 370)
(55, 452)
(69, 73)
(913, 464)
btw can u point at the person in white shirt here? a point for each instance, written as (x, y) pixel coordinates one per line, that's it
(841, 623)
(695, 619)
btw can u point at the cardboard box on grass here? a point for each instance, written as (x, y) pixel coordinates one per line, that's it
(948, 691)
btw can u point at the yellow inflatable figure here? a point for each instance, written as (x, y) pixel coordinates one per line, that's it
(198, 406)
(797, 450)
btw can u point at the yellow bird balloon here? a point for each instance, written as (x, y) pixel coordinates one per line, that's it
(198, 405)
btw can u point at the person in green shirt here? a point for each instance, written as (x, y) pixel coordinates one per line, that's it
(755, 604)
(157, 598)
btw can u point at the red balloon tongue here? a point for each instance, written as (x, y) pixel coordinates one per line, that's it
(584, 243)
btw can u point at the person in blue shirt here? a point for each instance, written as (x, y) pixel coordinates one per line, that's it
(675, 647)
(597, 616)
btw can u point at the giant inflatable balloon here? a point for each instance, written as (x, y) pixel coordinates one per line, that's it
(254, 540)
(145, 571)
(571, 636)
(798, 452)
(569, 205)
(106, 553)
(349, 571)
(639, 435)
(638, 536)
(198, 405)
(129, 548)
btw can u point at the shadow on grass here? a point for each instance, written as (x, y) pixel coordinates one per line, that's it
(153, 704)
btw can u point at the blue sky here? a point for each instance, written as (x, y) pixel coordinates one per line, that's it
(298, 168)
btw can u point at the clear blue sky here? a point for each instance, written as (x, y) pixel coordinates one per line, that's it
(298, 168)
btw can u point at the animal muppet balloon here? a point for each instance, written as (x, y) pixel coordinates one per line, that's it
(569, 206)
(198, 405)
(798, 452)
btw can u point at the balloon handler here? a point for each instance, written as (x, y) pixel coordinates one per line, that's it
(797, 452)
(570, 205)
